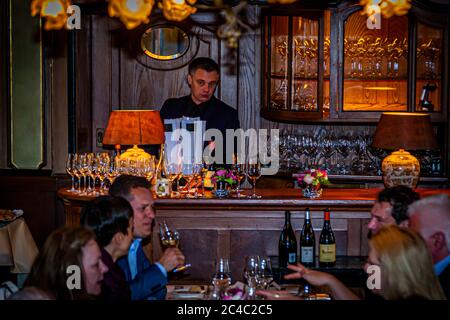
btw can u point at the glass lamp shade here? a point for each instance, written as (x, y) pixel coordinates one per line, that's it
(400, 168)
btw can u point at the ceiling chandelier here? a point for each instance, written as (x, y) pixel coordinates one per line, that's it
(131, 12)
(54, 12)
(387, 8)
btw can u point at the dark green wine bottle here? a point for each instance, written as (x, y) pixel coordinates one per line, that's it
(287, 246)
(307, 242)
(327, 243)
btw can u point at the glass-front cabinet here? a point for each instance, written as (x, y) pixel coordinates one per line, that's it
(327, 65)
(296, 66)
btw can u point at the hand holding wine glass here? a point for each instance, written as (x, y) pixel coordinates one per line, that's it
(172, 259)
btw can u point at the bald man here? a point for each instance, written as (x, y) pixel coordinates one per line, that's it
(431, 218)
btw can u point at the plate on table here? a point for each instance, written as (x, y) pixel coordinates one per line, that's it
(189, 292)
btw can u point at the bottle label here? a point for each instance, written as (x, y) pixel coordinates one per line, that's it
(292, 258)
(327, 253)
(307, 254)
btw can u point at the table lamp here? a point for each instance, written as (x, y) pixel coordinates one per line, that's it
(403, 131)
(134, 127)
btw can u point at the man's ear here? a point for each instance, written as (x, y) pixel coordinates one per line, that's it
(189, 80)
(117, 238)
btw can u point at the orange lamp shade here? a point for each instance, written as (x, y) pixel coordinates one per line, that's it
(134, 127)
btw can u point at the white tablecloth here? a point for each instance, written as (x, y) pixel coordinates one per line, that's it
(17, 246)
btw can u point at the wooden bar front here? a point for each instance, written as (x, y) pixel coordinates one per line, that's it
(235, 228)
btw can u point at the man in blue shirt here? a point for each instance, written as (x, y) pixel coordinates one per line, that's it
(431, 218)
(146, 280)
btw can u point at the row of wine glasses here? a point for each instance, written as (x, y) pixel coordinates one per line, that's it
(91, 167)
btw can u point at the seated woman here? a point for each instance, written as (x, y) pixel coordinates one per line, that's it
(111, 219)
(406, 269)
(55, 269)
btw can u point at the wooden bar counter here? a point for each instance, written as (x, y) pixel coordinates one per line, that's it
(235, 228)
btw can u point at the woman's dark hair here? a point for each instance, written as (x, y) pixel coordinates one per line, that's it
(107, 216)
(63, 248)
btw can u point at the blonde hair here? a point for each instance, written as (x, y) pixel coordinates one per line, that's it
(406, 265)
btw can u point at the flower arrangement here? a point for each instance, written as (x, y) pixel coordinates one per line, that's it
(224, 175)
(312, 181)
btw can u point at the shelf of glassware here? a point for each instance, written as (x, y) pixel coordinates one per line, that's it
(376, 94)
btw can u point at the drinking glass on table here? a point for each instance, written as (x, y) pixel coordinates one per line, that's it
(221, 279)
(264, 275)
(170, 238)
(70, 168)
(251, 270)
(196, 174)
(187, 173)
(239, 171)
(174, 172)
(253, 173)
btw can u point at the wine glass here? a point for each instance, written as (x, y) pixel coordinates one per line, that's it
(70, 167)
(170, 238)
(264, 275)
(239, 171)
(253, 173)
(196, 174)
(173, 170)
(82, 168)
(251, 270)
(188, 175)
(222, 278)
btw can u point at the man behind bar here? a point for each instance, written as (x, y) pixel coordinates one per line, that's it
(203, 78)
(146, 280)
(431, 218)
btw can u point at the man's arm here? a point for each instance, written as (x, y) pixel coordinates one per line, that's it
(149, 282)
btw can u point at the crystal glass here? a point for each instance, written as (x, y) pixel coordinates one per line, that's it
(239, 171)
(222, 276)
(254, 173)
(170, 238)
(264, 275)
(70, 170)
(251, 270)
(174, 172)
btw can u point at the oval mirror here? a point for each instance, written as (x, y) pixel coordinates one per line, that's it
(165, 42)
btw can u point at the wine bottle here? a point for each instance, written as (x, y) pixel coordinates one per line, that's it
(162, 188)
(327, 243)
(287, 246)
(307, 242)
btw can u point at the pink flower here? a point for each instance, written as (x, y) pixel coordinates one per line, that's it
(221, 172)
(308, 179)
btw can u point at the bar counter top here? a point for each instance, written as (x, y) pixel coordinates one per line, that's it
(273, 199)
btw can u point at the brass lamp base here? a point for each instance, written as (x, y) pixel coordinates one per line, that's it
(135, 153)
(400, 168)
